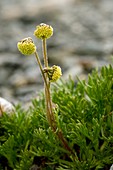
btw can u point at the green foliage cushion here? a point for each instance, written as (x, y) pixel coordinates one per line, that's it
(85, 115)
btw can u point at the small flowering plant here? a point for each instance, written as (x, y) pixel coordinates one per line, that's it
(50, 74)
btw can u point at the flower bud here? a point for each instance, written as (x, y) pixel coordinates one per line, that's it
(54, 73)
(43, 31)
(26, 46)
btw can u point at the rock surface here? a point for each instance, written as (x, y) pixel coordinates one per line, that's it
(82, 40)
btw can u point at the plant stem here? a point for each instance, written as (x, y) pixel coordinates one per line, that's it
(44, 47)
(40, 66)
(49, 108)
(46, 85)
(64, 142)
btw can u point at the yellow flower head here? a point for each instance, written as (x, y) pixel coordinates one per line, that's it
(54, 73)
(26, 46)
(43, 31)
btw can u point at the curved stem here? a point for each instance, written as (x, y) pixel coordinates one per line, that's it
(41, 68)
(49, 103)
(46, 85)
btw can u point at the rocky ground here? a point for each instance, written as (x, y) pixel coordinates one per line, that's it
(83, 40)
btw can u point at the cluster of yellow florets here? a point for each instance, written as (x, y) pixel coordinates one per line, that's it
(43, 31)
(26, 46)
(54, 73)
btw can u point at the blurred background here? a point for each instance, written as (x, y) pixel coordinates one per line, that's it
(82, 41)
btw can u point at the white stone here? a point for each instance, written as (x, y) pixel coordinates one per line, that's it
(5, 106)
(111, 168)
